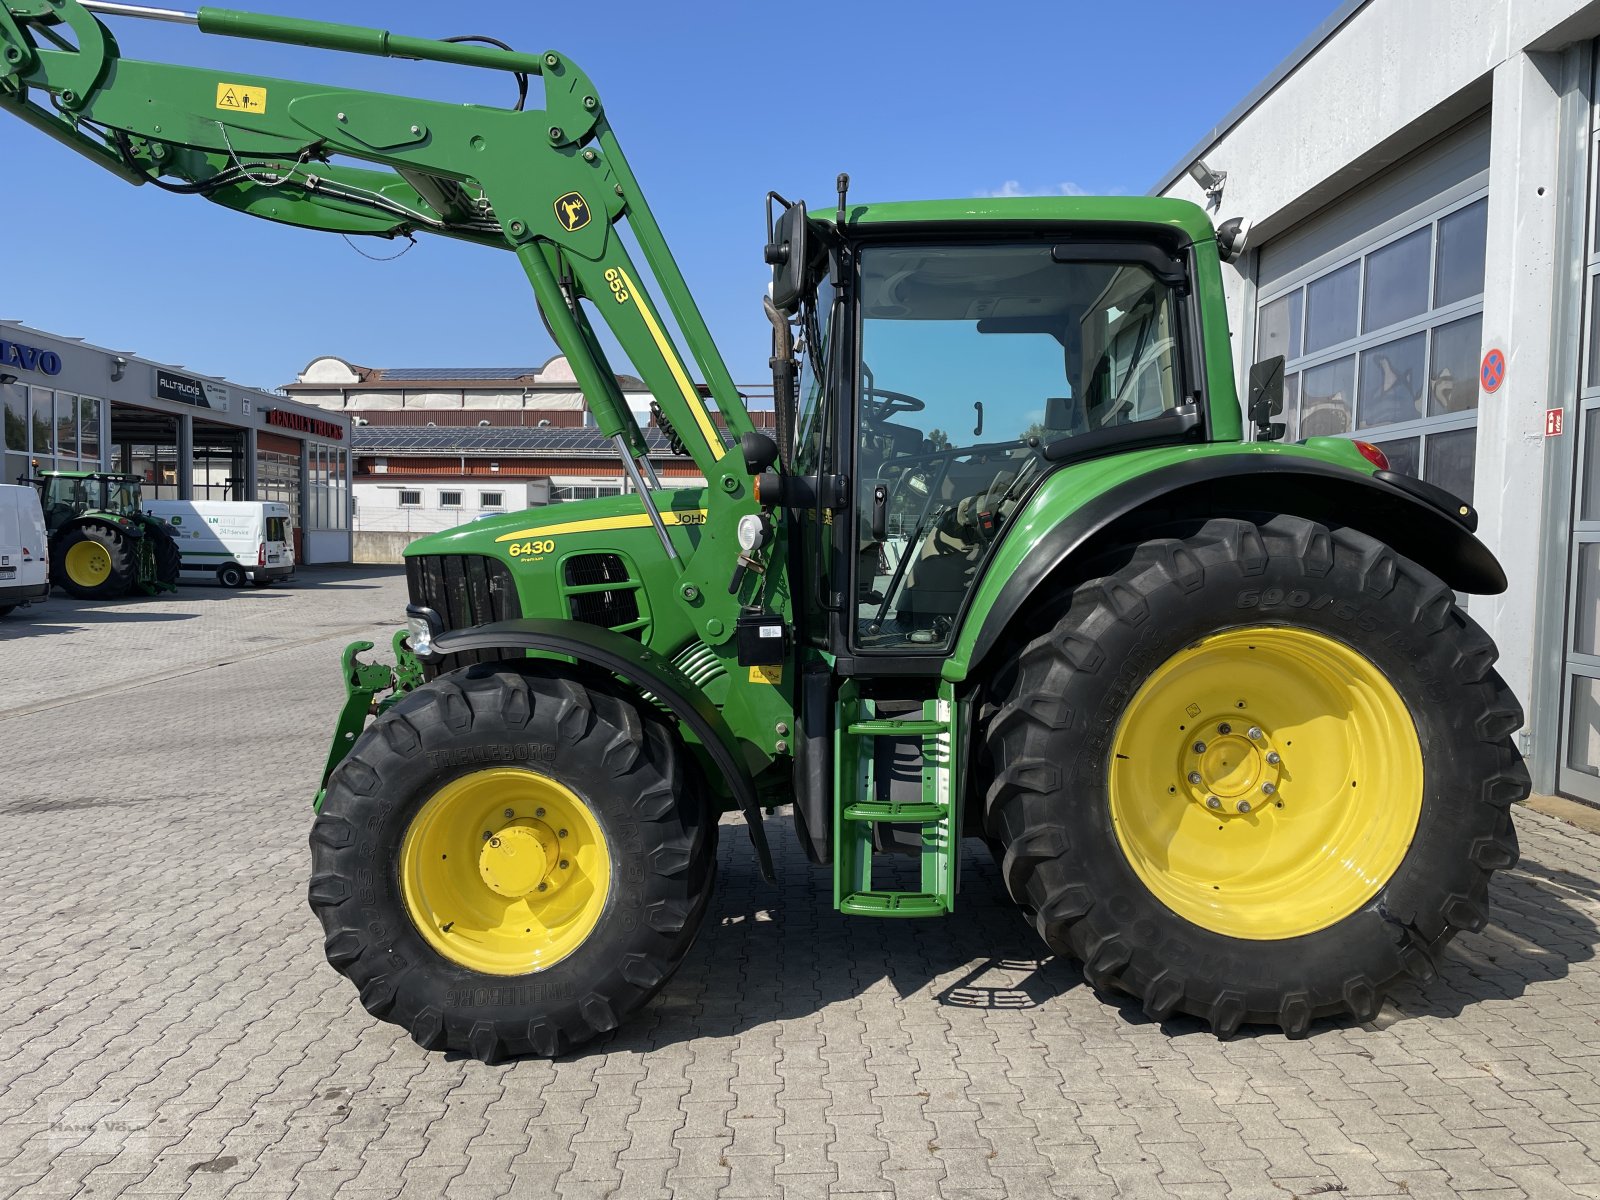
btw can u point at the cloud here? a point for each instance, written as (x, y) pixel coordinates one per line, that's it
(1012, 187)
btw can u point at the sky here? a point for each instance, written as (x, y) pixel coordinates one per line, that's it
(715, 103)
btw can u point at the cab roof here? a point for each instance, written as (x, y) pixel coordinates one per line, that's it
(1181, 215)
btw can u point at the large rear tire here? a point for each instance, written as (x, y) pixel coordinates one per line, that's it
(169, 561)
(511, 863)
(93, 562)
(1257, 773)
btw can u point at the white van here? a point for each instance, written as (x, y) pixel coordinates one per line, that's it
(24, 549)
(230, 540)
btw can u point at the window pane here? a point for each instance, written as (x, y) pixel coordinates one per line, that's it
(1590, 510)
(1459, 265)
(1397, 281)
(491, 500)
(1451, 458)
(1278, 330)
(67, 425)
(1328, 391)
(1404, 454)
(89, 430)
(43, 422)
(1586, 620)
(1592, 375)
(1583, 746)
(449, 499)
(1291, 408)
(1391, 382)
(1331, 308)
(410, 499)
(1453, 371)
(15, 402)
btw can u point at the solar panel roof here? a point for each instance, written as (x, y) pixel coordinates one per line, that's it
(487, 373)
(410, 439)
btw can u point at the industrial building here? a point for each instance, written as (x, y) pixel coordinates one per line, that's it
(1420, 178)
(69, 405)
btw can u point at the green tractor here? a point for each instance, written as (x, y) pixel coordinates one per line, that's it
(1008, 567)
(102, 546)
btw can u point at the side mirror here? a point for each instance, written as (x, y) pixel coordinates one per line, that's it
(788, 253)
(1266, 398)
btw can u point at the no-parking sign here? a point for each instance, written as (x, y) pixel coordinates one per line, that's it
(1494, 370)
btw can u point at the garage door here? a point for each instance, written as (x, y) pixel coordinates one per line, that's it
(1377, 306)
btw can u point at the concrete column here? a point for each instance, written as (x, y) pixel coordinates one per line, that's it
(250, 480)
(1520, 290)
(185, 457)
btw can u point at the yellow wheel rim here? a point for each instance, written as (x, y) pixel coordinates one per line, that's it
(505, 871)
(88, 564)
(1266, 782)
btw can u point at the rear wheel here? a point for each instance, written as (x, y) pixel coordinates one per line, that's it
(231, 576)
(1256, 774)
(511, 864)
(169, 562)
(93, 562)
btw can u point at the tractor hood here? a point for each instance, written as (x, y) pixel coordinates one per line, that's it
(589, 525)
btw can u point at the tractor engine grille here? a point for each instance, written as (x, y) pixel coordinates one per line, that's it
(465, 590)
(593, 603)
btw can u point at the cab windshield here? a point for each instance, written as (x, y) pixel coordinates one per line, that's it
(973, 359)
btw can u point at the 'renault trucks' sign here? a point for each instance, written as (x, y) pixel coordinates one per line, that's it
(301, 423)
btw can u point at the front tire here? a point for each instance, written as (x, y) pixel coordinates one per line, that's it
(1258, 773)
(515, 943)
(231, 576)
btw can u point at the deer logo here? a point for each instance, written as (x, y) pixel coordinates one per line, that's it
(572, 210)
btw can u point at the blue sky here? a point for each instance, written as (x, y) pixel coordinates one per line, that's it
(715, 103)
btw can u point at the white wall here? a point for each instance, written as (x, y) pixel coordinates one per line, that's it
(378, 507)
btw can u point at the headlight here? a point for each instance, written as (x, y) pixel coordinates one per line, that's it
(422, 626)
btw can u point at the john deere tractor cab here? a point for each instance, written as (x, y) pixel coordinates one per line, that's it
(1004, 568)
(102, 545)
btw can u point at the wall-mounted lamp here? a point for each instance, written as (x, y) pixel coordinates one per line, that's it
(1211, 182)
(119, 368)
(7, 380)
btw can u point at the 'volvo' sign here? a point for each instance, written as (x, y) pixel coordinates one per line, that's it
(29, 358)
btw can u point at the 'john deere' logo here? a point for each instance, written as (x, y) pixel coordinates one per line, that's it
(572, 210)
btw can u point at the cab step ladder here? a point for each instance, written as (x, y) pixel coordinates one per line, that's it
(858, 806)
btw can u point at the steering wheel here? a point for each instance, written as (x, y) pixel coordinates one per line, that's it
(892, 404)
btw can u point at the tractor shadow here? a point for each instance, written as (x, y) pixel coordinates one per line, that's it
(775, 953)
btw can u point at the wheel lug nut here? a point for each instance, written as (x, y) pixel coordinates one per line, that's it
(1199, 747)
(510, 813)
(1269, 789)
(538, 812)
(1224, 728)
(544, 887)
(1274, 758)
(1213, 802)
(561, 833)
(1244, 806)
(1194, 778)
(487, 835)
(564, 864)
(1255, 733)
(494, 841)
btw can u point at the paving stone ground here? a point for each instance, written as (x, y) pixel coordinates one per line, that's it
(168, 1025)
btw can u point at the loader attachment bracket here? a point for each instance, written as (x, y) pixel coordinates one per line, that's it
(362, 682)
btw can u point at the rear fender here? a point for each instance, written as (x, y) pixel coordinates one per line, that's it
(1427, 525)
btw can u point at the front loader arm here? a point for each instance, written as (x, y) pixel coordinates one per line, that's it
(551, 185)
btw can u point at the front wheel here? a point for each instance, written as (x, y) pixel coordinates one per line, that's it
(511, 863)
(1258, 773)
(231, 576)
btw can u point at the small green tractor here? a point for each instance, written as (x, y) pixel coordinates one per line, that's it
(1009, 567)
(102, 545)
